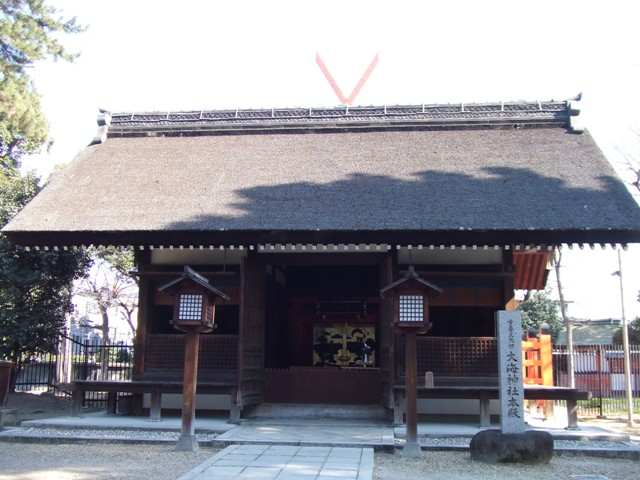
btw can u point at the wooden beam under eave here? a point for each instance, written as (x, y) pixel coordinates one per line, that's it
(327, 258)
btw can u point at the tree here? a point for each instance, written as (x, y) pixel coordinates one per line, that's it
(28, 31)
(35, 296)
(122, 262)
(35, 292)
(634, 333)
(110, 284)
(566, 319)
(539, 308)
(35, 287)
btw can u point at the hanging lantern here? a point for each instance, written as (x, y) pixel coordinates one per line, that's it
(410, 295)
(193, 301)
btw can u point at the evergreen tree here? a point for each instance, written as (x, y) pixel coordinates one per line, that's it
(35, 286)
(633, 328)
(28, 30)
(537, 309)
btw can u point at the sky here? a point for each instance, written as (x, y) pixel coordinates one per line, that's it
(158, 55)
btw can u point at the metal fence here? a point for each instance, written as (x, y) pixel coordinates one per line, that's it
(600, 370)
(76, 360)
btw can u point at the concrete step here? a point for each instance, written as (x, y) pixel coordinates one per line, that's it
(8, 417)
(315, 411)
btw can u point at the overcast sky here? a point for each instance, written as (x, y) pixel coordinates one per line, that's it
(158, 55)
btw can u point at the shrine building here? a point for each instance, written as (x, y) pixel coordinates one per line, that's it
(301, 216)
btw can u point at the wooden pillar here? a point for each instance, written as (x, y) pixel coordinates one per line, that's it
(411, 447)
(188, 441)
(546, 357)
(546, 368)
(509, 284)
(143, 260)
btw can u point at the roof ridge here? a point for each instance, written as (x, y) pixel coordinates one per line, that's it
(451, 114)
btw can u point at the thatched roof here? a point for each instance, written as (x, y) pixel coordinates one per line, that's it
(484, 174)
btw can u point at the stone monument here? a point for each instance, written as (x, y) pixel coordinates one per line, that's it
(510, 372)
(512, 443)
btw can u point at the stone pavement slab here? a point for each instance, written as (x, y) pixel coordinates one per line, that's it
(297, 432)
(282, 462)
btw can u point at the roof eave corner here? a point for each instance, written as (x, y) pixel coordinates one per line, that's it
(104, 121)
(575, 124)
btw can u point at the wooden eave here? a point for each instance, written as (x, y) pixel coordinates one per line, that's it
(531, 270)
(213, 239)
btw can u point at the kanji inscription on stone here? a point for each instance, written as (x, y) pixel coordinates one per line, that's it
(510, 372)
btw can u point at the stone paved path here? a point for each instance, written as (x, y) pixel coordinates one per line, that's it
(283, 462)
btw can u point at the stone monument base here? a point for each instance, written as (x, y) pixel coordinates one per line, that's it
(493, 446)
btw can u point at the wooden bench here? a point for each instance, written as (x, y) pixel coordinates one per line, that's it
(155, 388)
(486, 393)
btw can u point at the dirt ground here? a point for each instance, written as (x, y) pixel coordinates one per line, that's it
(34, 406)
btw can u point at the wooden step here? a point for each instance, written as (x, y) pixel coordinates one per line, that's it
(318, 411)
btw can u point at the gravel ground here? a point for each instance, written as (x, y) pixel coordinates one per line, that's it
(458, 466)
(19, 461)
(36, 461)
(113, 461)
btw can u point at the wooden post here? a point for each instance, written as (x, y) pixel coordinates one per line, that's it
(411, 316)
(546, 369)
(411, 446)
(193, 313)
(188, 441)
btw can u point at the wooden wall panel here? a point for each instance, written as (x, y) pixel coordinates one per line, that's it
(465, 297)
(252, 325)
(469, 297)
(323, 385)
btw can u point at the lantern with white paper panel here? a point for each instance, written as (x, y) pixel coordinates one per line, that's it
(410, 294)
(194, 301)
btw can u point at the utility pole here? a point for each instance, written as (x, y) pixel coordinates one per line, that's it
(557, 260)
(625, 348)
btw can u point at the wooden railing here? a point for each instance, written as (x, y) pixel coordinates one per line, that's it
(457, 356)
(165, 353)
